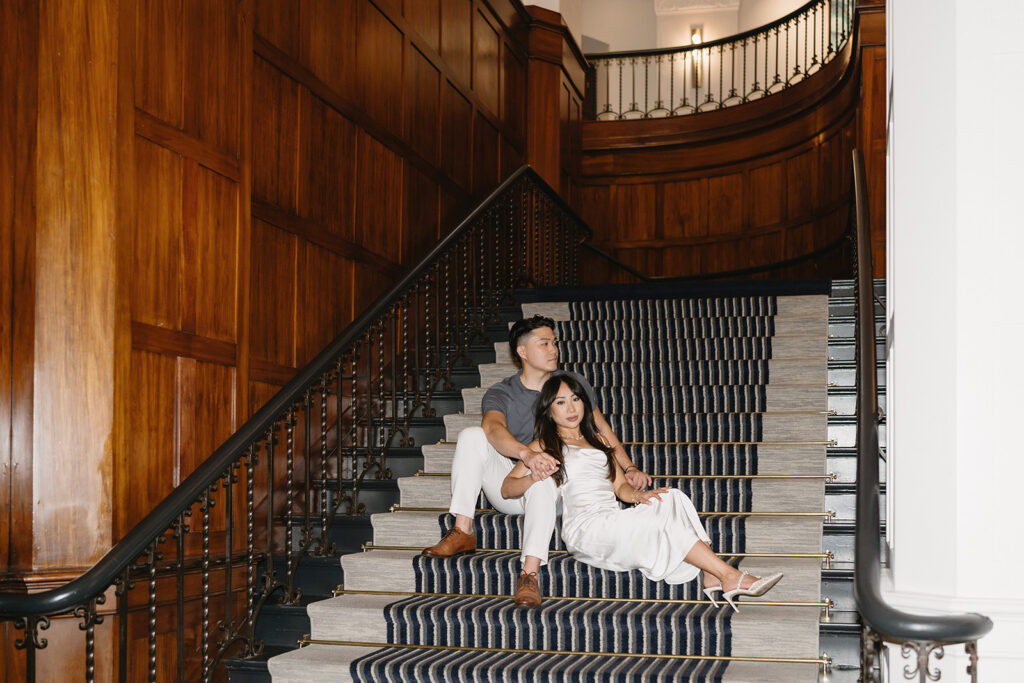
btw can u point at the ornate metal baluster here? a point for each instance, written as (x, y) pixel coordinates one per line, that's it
(732, 69)
(407, 400)
(721, 75)
(445, 324)
(429, 350)
(620, 114)
(204, 508)
(321, 547)
(647, 87)
(90, 617)
(814, 32)
(307, 459)
(152, 556)
(31, 626)
(250, 551)
(227, 627)
(290, 594)
(384, 439)
(270, 581)
(122, 585)
(180, 528)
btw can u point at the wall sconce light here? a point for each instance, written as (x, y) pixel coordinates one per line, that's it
(697, 38)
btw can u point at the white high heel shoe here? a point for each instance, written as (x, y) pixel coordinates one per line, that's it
(710, 591)
(756, 589)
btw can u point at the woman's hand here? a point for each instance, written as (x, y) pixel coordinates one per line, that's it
(646, 496)
(637, 479)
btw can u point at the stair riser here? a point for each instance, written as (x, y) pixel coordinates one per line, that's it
(846, 404)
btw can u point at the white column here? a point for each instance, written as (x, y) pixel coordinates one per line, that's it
(956, 320)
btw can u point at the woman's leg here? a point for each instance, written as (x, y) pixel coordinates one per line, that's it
(704, 558)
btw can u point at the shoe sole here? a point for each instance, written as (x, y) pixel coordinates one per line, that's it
(441, 557)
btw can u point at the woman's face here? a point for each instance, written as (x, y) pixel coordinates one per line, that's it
(567, 409)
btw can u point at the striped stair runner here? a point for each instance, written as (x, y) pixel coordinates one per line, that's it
(724, 398)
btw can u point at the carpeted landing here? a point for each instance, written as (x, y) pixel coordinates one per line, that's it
(723, 398)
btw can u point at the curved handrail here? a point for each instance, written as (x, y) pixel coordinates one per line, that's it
(135, 543)
(889, 623)
(735, 38)
(713, 75)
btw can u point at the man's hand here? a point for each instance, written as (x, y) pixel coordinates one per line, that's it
(541, 465)
(638, 479)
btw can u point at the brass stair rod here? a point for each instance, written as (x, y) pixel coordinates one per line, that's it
(830, 476)
(822, 661)
(827, 555)
(724, 513)
(824, 604)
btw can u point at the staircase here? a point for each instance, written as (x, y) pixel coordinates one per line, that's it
(724, 397)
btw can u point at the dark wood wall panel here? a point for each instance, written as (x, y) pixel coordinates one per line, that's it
(456, 37)
(259, 172)
(379, 64)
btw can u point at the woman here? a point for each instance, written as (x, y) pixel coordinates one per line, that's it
(661, 535)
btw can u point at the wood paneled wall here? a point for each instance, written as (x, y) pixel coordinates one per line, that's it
(195, 197)
(726, 190)
(872, 121)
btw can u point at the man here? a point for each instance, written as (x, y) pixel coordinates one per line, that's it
(485, 454)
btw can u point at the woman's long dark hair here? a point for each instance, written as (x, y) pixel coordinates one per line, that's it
(546, 430)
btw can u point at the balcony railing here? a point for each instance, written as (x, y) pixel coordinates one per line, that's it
(724, 73)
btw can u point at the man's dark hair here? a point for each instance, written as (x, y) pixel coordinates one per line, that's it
(522, 328)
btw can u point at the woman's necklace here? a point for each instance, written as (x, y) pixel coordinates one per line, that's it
(578, 437)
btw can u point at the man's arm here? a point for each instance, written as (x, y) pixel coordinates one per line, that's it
(496, 429)
(634, 476)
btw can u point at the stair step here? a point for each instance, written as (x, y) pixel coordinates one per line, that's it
(732, 427)
(419, 529)
(331, 663)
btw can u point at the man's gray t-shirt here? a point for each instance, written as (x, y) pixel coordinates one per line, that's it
(516, 403)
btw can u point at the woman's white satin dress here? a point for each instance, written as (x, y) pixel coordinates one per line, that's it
(653, 538)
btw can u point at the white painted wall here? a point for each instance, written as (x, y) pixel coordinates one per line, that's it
(956, 234)
(674, 29)
(754, 13)
(623, 24)
(571, 11)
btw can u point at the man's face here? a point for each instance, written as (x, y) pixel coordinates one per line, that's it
(539, 350)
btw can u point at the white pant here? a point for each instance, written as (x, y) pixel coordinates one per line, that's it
(478, 465)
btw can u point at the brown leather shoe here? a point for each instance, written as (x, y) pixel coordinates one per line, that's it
(453, 543)
(528, 591)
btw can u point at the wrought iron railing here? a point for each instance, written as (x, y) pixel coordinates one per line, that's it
(256, 499)
(919, 636)
(722, 73)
